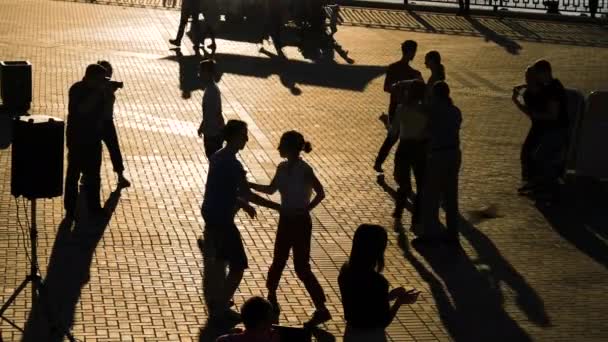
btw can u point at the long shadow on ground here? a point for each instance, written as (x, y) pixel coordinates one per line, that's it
(581, 217)
(68, 271)
(468, 292)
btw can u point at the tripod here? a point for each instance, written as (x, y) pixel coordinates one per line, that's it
(34, 277)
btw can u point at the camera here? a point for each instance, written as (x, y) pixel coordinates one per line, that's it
(116, 85)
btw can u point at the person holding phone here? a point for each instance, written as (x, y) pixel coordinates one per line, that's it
(365, 291)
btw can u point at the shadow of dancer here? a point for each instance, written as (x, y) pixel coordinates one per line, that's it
(580, 217)
(508, 44)
(468, 291)
(68, 271)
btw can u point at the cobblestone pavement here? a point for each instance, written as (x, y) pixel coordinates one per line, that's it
(530, 274)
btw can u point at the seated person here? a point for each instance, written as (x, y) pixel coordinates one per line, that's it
(257, 315)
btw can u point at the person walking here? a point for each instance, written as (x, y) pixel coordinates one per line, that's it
(295, 180)
(191, 9)
(365, 294)
(398, 71)
(109, 136)
(432, 60)
(83, 139)
(443, 167)
(212, 123)
(226, 191)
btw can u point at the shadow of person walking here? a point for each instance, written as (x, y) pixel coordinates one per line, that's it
(52, 316)
(468, 292)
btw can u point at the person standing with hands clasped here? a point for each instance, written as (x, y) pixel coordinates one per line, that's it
(295, 180)
(365, 291)
(212, 123)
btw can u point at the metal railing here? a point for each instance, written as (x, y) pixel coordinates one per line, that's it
(592, 8)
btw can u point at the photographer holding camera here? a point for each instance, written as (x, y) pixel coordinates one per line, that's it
(109, 136)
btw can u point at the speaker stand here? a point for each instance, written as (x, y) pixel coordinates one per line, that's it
(34, 277)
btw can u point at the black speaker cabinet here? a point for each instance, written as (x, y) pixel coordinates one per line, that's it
(37, 157)
(16, 86)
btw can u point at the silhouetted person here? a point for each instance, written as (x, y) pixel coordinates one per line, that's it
(432, 60)
(274, 24)
(109, 137)
(87, 99)
(553, 116)
(295, 180)
(410, 125)
(531, 106)
(398, 71)
(226, 191)
(365, 291)
(464, 7)
(443, 166)
(189, 9)
(257, 314)
(212, 123)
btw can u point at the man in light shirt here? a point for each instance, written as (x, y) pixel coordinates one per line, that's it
(212, 123)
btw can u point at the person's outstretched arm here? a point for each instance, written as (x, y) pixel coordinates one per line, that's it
(267, 189)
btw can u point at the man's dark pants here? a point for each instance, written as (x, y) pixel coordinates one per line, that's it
(389, 141)
(443, 168)
(195, 25)
(85, 160)
(410, 155)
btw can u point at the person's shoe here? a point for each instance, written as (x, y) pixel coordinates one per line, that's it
(123, 182)
(175, 42)
(212, 47)
(276, 309)
(320, 316)
(378, 168)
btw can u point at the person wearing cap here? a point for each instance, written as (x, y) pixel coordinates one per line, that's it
(83, 139)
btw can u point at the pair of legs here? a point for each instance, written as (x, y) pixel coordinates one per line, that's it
(85, 160)
(441, 185)
(410, 155)
(389, 141)
(223, 248)
(195, 25)
(294, 233)
(110, 139)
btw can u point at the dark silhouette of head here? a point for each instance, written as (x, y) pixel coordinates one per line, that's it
(415, 92)
(543, 70)
(256, 313)
(408, 49)
(292, 144)
(441, 92)
(368, 248)
(432, 59)
(235, 134)
(106, 65)
(95, 73)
